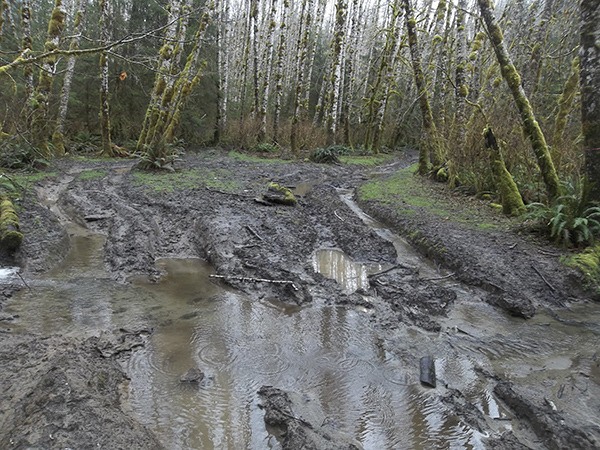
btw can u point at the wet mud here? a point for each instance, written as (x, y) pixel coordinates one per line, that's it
(329, 306)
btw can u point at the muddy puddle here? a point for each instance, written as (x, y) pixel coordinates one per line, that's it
(330, 354)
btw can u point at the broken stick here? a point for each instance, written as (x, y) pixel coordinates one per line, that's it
(254, 280)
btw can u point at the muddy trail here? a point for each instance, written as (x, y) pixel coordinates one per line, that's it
(185, 311)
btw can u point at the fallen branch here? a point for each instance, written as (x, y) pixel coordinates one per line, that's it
(397, 266)
(338, 216)
(254, 280)
(24, 282)
(251, 230)
(439, 278)
(542, 277)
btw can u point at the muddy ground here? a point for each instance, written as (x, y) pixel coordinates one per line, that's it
(64, 392)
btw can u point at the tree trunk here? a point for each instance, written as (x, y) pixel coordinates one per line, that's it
(332, 96)
(223, 70)
(512, 202)
(589, 55)
(531, 127)
(40, 122)
(164, 73)
(428, 147)
(104, 104)
(58, 139)
(281, 49)
(303, 35)
(266, 84)
(28, 68)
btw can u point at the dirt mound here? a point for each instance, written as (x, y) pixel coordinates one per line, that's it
(61, 393)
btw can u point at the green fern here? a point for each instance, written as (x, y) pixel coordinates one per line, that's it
(571, 219)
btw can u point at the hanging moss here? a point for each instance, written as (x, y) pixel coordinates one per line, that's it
(10, 236)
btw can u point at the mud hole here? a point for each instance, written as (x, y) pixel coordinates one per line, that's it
(121, 304)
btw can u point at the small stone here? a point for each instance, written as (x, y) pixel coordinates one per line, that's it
(194, 375)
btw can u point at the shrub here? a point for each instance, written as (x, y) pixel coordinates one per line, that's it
(329, 155)
(571, 219)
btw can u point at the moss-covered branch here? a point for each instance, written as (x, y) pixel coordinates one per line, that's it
(10, 236)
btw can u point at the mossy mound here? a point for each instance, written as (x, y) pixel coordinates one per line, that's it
(10, 236)
(277, 193)
(588, 263)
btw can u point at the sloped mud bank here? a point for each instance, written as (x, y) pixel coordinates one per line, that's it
(209, 210)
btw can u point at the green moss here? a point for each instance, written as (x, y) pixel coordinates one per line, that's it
(92, 174)
(10, 236)
(27, 180)
(288, 196)
(588, 263)
(169, 182)
(369, 161)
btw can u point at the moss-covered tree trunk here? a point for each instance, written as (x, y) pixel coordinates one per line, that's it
(383, 80)
(28, 68)
(589, 55)
(531, 126)
(512, 202)
(40, 124)
(104, 102)
(266, 78)
(164, 73)
(331, 102)
(303, 36)
(429, 140)
(222, 37)
(58, 139)
(281, 49)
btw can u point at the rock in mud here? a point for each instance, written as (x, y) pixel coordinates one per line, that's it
(302, 426)
(193, 375)
(519, 307)
(63, 394)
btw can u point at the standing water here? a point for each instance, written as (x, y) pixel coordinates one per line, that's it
(329, 353)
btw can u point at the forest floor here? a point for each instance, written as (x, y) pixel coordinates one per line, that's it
(62, 391)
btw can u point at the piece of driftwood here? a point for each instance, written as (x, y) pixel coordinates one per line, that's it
(254, 280)
(427, 376)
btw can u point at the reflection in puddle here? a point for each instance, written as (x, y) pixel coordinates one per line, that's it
(335, 264)
(329, 353)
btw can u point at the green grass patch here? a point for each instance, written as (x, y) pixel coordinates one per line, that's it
(169, 182)
(365, 160)
(406, 192)
(245, 157)
(93, 174)
(26, 180)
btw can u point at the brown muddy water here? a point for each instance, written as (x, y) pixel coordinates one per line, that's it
(331, 354)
